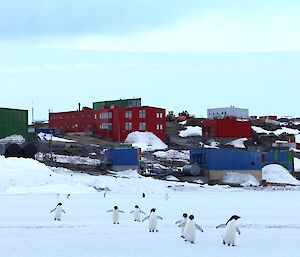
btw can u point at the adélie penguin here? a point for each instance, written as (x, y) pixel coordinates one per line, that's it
(182, 221)
(230, 230)
(116, 214)
(137, 213)
(190, 228)
(58, 211)
(152, 220)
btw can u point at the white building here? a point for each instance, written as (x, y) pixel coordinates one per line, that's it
(231, 111)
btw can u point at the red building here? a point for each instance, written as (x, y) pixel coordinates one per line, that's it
(226, 128)
(113, 123)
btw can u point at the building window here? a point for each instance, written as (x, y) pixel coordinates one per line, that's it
(159, 127)
(142, 114)
(107, 126)
(128, 114)
(142, 126)
(106, 115)
(159, 115)
(128, 126)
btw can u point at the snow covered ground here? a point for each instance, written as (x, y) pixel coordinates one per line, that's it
(269, 225)
(239, 143)
(171, 154)
(18, 139)
(191, 131)
(70, 159)
(277, 132)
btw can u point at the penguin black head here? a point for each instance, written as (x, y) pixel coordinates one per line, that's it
(59, 204)
(153, 210)
(116, 207)
(185, 215)
(136, 206)
(235, 217)
(191, 217)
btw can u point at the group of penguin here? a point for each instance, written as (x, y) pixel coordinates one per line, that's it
(187, 223)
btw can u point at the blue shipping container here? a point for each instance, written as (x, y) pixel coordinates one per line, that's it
(122, 156)
(284, 158)
(226, 159)
(44, 130)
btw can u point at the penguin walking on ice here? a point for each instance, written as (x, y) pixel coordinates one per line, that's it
(190, 228)
(230, 230)
(116, 214)
(137, 213)
(152, 220)
(182, 221)
(58, 210)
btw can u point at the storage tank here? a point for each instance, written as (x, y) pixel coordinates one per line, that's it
(13, 150)
(2, 149)
(29, 150)
(191, 170)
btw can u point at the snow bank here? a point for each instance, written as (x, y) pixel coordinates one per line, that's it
(260, 130)
(173, 155)
(297, 164)
(275, 173)
(70, 159)
(49, 137)
(277, 132)
(19, 175)
(239, 143)
(191, 131)
(22, 176)
(241, 179)
(147, 141)
(18, 139)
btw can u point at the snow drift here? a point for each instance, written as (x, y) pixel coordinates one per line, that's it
(235, 178)
(191, 131)
(173, 155)
(275, 173)
(147, 141)
(239, 143)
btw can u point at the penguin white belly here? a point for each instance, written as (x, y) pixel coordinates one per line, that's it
(57, 213)
(152, 223)
(182, 230)
(190, 232)
(230, 233)
(115, 217)
(182, 227)
(137, 215)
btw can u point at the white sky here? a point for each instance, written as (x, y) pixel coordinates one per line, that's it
(180, 55)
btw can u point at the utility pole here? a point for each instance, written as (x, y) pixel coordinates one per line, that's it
(32, 114)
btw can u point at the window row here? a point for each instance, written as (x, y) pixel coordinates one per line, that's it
(107, 126)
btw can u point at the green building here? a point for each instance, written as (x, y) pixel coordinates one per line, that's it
(13, 121)
(121, 102)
